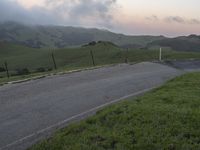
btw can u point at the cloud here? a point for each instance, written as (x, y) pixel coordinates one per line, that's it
(152, 18)
(181, 20)
(176, 19)
(65, 12)
(98, 12)
(11, 10)
(194, 21)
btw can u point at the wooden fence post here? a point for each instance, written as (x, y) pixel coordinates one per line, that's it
(126, 56)
(54, 61)
(92, 55)
(6, 67)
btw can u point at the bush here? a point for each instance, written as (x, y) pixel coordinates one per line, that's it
(2, 69)
(92, 43)
(24, 71)
(41, 69)
(49, 69)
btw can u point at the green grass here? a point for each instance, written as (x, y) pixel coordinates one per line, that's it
(20, 57)
(5, 80)
(167, 118)
(22, 77)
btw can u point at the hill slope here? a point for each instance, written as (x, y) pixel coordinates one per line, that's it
(61, 36)
(184, 43)
(37, 36)
(19, 57)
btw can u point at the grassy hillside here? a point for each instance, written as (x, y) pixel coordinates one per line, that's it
(37, 36)
(20, 57)
(190, 43)
(60, 36)
(167, 118)
(24, 57)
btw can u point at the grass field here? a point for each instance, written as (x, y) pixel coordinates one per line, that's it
(167, 118)
(20, 57)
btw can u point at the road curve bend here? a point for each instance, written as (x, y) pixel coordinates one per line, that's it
(33, 109)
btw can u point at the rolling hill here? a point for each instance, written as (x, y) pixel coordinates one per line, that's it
(38, 36)
(183, 43)
(20, 57)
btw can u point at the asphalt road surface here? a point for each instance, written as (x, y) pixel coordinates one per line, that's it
(32, 109)
(186, 65)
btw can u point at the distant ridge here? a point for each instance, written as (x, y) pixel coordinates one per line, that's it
(38, 36)
(60, 36)
(182, 43)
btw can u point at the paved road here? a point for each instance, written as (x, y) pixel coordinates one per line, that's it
(33, 106)
(186, 65)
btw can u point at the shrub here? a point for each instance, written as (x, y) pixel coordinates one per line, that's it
(49, 69)
(24, 71)
(41, 69)
(2, 69)
(92, 43)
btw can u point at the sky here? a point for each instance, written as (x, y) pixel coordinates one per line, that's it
(134, 17)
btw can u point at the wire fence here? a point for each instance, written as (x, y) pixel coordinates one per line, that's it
(73, 58)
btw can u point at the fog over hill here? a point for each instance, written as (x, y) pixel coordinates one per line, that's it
(40, 36)
(61, 36)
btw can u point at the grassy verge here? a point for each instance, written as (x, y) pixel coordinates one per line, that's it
(17, 78)
(31, 76)
(167, 118)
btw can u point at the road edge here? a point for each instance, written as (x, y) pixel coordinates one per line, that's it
(47, 132)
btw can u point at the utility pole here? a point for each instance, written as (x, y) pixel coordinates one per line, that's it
(54, 61)
(160, 55)
(6, 67)
(92, 55)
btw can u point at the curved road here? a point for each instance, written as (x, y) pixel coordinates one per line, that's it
(31, 110)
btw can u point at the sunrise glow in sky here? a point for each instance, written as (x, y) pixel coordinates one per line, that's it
(136, 17)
